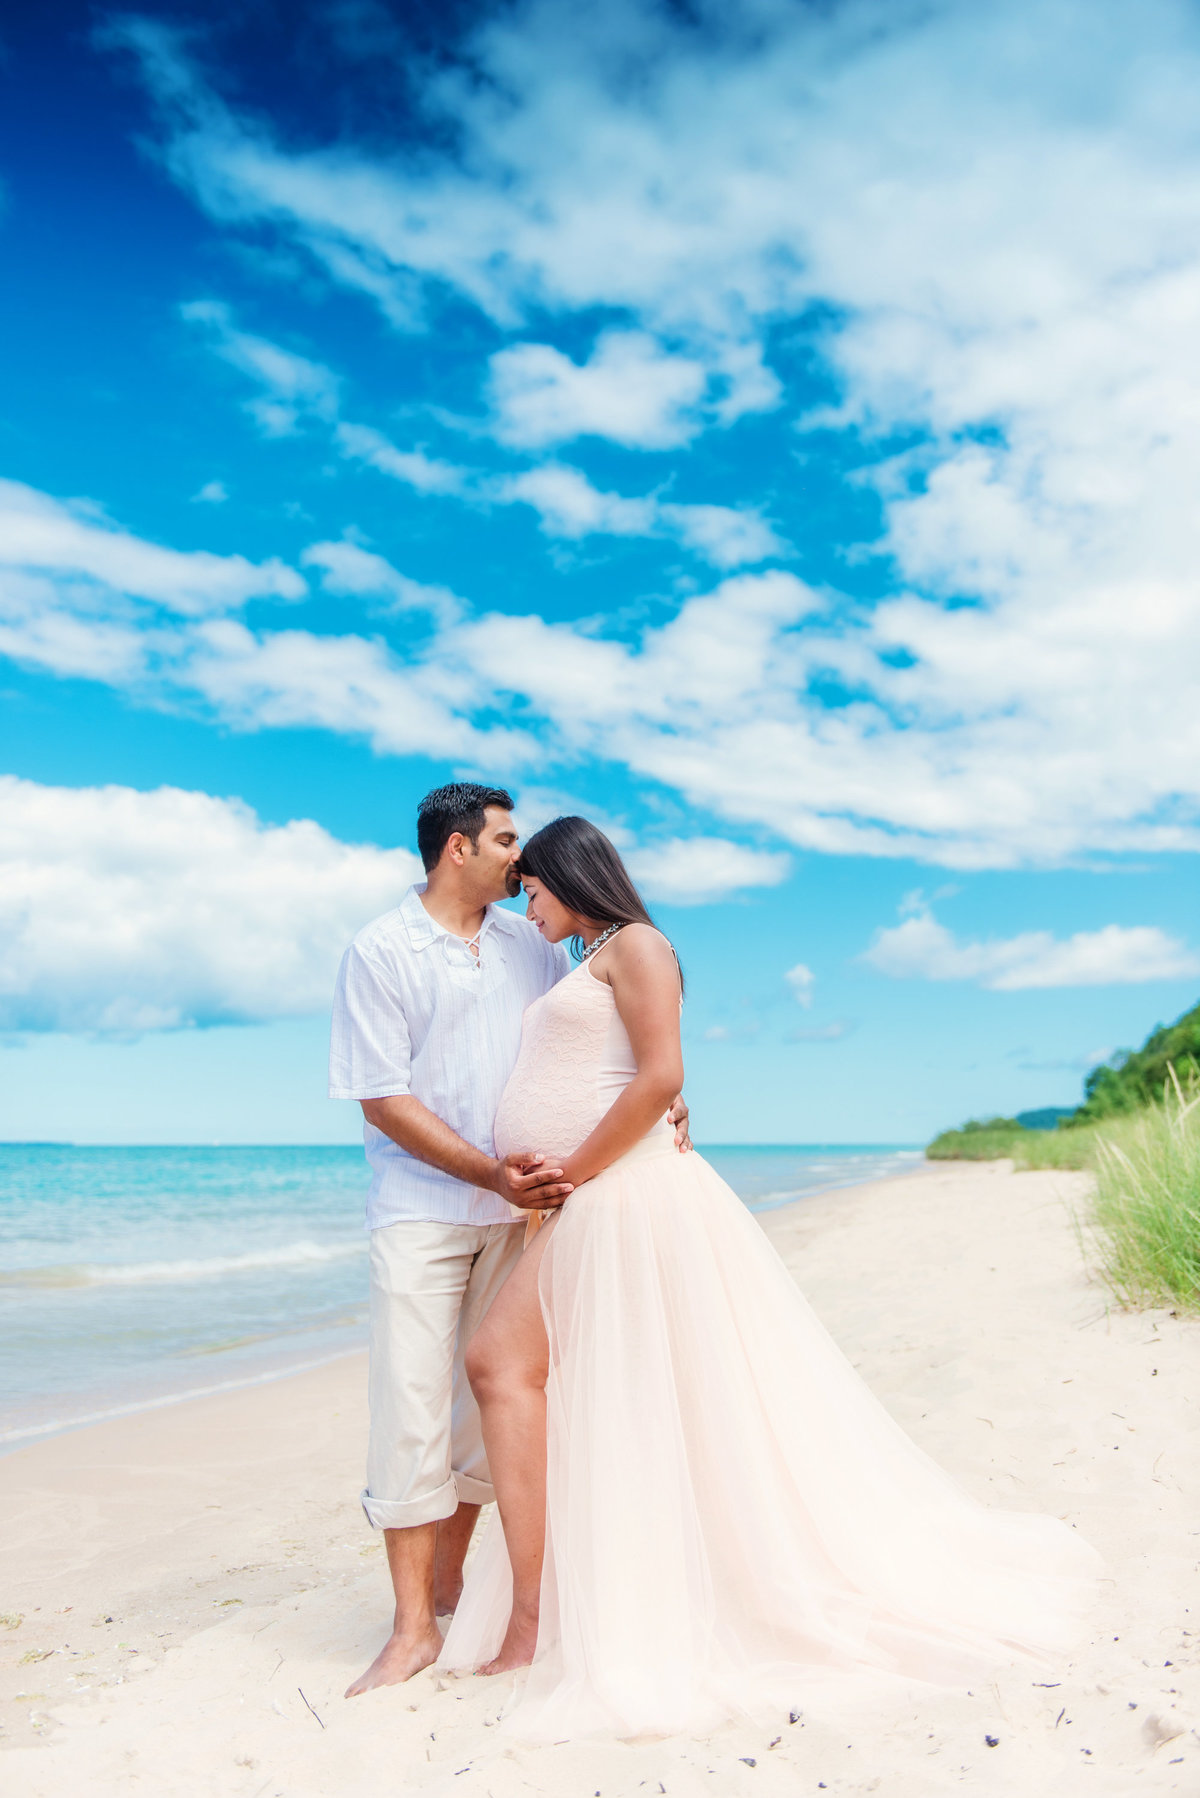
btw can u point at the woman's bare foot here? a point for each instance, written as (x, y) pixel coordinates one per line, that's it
(400, 1657)
(517, 1648)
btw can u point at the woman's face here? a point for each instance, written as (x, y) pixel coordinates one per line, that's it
(547, 913)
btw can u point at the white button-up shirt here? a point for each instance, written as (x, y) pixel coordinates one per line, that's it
(414, 1012)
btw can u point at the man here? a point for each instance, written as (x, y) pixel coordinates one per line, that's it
(426, 1030)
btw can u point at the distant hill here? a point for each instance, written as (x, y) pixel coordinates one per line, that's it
(1126, 1083)
(1133, 1077)
(1045, 1119)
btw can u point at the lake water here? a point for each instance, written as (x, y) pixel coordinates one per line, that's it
(131, 1277)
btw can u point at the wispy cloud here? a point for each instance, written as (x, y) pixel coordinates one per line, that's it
(348, 568)
(568, 505)
(295, 390)
(1118, 955)
(630, 390)
(72, 542)
(80, 597)
(293, 387)
(833, 1032)
(351, 685)
(701, 870)
(802, 981)
(916, 205)
(426, 474)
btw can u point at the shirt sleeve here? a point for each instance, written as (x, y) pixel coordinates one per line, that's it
(370, 1052)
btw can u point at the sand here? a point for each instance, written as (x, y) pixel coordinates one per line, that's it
(195, 1586)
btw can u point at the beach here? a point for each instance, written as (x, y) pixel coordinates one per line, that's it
(187, 1591)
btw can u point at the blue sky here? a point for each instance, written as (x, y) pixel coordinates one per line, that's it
(770, 431)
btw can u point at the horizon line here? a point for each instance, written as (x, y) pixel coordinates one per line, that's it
(18, 1142)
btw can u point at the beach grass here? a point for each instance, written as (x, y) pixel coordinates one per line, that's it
(1145, 1212)
(1000, 1139)
(1147, 1201)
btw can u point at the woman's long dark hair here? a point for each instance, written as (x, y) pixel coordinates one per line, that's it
(584, 872)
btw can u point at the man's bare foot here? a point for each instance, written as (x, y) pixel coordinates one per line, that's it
(400, 1657)
(516, 1650)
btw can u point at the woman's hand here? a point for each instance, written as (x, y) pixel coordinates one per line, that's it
(679, 1115)
(531, 1181)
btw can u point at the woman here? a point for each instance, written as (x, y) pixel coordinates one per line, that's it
(701, 1508)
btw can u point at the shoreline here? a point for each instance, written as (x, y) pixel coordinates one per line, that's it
(276, 1348)
(13, 1440)
(190, 1579)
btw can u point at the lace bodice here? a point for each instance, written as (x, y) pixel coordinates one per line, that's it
(575, 1059)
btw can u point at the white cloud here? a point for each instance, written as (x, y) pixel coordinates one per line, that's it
(347, 568)
(96, 562)
(583, 203)
(702, 870)
(921, 948)
(350, 685)
(39, 632)
(566, 502)
(293, 387)
(802, 980)
(125, 911)
(568, 505)
(726, 536)
(296, 389)
(630, 390)
(833, 1032)
(362, 443)
(213, 493)
(994, 213)
(77, 597)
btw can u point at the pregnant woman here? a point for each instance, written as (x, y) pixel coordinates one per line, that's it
(702, 1510)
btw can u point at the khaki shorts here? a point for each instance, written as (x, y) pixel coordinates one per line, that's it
(430, 1287)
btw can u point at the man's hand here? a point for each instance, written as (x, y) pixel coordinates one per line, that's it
(679, 1115)
(525, 1179)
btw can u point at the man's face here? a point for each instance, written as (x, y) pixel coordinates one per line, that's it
(494, 862)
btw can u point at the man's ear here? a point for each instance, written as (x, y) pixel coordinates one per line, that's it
(456, 847)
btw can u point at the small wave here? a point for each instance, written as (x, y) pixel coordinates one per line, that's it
(849, 1175)
(166, 1273)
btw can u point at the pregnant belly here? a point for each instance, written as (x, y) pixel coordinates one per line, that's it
(544, 1112)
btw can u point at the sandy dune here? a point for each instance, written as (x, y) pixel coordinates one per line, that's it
(195, 1586)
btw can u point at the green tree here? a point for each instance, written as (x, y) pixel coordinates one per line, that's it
(1134, 1077)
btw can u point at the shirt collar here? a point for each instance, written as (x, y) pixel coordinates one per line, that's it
(503, 920)
(423, 930)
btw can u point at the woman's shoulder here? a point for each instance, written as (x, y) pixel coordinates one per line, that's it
(641, 943)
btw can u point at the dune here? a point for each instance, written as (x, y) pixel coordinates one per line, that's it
(186, 1592)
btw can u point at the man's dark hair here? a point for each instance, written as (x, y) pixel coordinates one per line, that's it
(458, 807)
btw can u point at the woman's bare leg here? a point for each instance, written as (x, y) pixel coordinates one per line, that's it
(508, 1362)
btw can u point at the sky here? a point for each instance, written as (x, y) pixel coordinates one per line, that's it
(769, 430)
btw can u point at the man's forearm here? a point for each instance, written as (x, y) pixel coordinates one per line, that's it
(423, 1135)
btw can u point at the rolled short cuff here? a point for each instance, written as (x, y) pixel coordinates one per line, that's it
(473, 1492)
(407, 1513)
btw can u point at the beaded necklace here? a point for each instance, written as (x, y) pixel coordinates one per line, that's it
(599, 942)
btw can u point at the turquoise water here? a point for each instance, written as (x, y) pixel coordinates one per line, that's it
(132, 1276)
